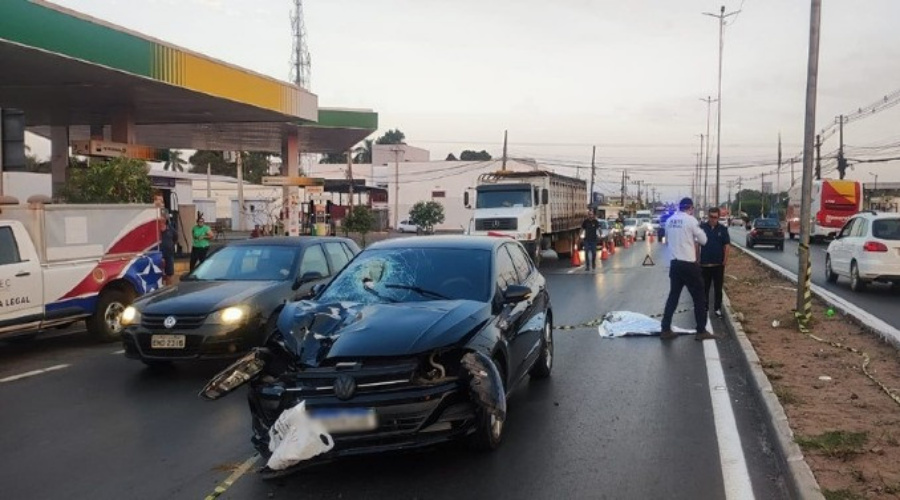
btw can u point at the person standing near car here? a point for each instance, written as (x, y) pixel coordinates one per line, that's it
(202, 235)
(683, 235)
(591, 229)
(713, 257)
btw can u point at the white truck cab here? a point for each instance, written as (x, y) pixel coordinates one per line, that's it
(63, 263)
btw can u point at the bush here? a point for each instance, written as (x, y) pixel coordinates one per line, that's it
(359, 220)
(426, 214)
(118, 180)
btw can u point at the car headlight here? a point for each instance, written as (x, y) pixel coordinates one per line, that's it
(229, 316)
(130, 316)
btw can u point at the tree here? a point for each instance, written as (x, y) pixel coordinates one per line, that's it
(469, 155)
(450, 157)
(359, 220)
(256, 165)
(117, 180)
(364, 152)
(392, 137)
(174, 161)
(426, 214)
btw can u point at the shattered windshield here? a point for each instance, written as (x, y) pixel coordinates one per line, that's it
(413, 275)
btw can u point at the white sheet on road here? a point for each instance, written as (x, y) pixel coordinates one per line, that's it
(627, 324)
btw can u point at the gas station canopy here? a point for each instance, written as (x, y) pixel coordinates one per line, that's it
(63, 68)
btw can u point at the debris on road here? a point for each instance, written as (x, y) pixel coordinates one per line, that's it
(627, 324)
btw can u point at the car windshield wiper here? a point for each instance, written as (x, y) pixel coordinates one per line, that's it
(420, 291)
(368, 285)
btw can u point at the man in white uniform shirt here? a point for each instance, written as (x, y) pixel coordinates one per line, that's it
(683, 234)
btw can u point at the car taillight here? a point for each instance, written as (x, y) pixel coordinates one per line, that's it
(753, 232)
(875, 246)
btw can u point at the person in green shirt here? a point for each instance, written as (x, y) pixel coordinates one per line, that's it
(202, 235)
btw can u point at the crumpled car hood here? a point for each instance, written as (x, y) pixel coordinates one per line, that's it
(315, 332)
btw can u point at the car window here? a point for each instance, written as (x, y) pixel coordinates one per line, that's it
(523, 264)
(767, 223)
(860, 229)
(248, 263)
(886, 229)
(9, 251)
(848, 227)
(348, 251)
(314, 261)
(336, 253)
(506, 270)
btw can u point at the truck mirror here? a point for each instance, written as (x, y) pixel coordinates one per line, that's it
(545, 196)
(466, 199)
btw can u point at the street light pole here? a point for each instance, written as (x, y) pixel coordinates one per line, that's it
(709, 100)
(721, 16)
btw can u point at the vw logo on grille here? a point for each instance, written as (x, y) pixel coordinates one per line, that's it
(344, 387)
(169, 322)
(496, 223)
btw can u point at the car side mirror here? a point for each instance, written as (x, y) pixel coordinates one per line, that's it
(545, 196)
(466, 199)
(306, 278)
(515, 294)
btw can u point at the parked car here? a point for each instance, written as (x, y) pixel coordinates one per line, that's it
(866, 249)
(766, 232)
(414, 343)
(406, 226)
(655, 224)
(227, 304)
(648, 226)
(635, 229)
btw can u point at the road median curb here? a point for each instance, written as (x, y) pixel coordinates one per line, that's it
(802, 482)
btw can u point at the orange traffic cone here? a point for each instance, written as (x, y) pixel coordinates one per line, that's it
(603, 253)
(627, 241)
(651, 237)
(612, 247)
(576, 257)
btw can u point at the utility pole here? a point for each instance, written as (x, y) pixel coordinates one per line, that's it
(804, 297)
(762, 196)
(240, 188)
(593, 173)
(709, 100)
(208, 181)
(624, 176)
(698, 191)
(842, 162)
(700, 161)
(778, 178)
(721, 17)
(397, 151)
(818, 157)
(350, 177)
(792, 172)
(504, 150)
(739, 196)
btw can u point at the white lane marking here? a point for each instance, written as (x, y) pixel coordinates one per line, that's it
(734, 467)
(121, 351)
(240, 471)
(32, 373)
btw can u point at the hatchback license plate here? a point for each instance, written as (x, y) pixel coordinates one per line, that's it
(167, 342)
(346, 419)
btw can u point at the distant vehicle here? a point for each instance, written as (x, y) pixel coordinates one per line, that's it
(416, 342)
(538, 208)
(833, 203)
(636, 230)
(766, 232)
(229, 303)
(60, 264)
(648, 225)
(866, 249)
(406, 226)
(605, 229)
(643, 214)
(655, 224)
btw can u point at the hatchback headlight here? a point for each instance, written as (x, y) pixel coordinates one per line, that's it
(229, 316)
(130, 316)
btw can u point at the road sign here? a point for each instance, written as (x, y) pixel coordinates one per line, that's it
(314, 189)
(292, 181)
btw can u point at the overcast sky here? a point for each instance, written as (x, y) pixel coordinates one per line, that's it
(560, 76)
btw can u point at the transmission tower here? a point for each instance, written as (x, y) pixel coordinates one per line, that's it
(300, 61)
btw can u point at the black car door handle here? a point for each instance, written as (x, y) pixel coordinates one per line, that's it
(22, 274)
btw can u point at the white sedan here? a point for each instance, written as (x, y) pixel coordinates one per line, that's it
(866, 250)
(406, 226)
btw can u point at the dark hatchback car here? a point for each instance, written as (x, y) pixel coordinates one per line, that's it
(766, 232)
(415, 342)
(225, 306)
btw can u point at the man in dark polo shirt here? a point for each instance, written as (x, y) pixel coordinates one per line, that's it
(714, 256)
(591, 235)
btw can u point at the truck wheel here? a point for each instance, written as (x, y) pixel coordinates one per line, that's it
(105, 325)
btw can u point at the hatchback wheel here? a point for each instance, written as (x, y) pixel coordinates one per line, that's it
(544, 363)
(856, 283)
(489, 428)
(829, 272)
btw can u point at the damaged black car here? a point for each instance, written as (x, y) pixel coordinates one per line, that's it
(416, 342)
